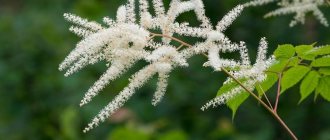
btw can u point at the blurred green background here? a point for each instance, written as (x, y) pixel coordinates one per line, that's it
(38, 102)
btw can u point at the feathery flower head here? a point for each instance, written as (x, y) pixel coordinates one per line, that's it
(123, 42)
(298, 7)
(251, 73)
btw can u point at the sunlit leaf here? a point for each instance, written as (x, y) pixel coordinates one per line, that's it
(293, 76)
(321, 62)
(320, 51)
(233, 103)
(308, 84)
(323, 87)
(266, 84)
(301, 52)
(236, 102)
(284, 51)
(325, 71)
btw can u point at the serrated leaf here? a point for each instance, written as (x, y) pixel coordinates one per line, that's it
(325, 71)
(308, 84)
(293, 76)
(323, 87)
(302, 50)
(266, 84)
(321, 62)
(321, 50)
(284, 51)
(236, 102)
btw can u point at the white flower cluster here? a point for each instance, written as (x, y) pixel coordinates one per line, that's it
(251, 74)
(298, 7)
(126, 40)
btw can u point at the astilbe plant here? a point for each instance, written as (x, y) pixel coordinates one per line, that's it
(131, 37)
(298, 7)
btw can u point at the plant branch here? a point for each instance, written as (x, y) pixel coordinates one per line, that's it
(173, 38)
(278, 91)
(268, 108)
(275, 115)
(280, 74)
(264, 93)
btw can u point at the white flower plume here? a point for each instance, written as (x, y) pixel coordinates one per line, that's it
(128, 39)
(251, 74)
(298, 7)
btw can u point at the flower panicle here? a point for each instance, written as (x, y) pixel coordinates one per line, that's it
(298, 7)
(126, 40)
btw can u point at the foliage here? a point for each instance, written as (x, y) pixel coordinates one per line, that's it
(304, 64)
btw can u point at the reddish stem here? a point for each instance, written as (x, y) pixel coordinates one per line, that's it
(278, 91)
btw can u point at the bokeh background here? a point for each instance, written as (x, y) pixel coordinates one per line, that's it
(38, 102)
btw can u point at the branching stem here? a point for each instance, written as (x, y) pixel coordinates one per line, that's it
(268, 108)
(275, 115)
(280, 74)
(266, 97)
(278, 91)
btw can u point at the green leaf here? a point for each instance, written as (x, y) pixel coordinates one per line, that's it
(293, 76)
(227, 87)
(266, 84)
(302, 50)
(325, 71)
(235, 102)
(321, 62)
(324, 87)
(279, 65)
(320, 51)
(284, 51)
(308, 84)
(294, 61)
